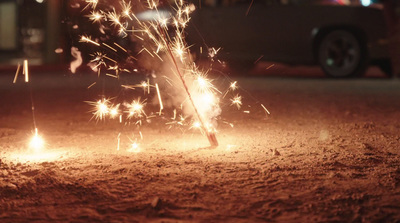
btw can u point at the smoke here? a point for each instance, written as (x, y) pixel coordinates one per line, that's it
(78, 59)
(206, 102)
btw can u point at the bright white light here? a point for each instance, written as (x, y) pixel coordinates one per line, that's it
(134, 148)
(39, 1)
(366, 2)
(36, 143)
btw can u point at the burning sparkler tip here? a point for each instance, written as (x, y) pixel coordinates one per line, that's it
(36, 143)
(212, 138)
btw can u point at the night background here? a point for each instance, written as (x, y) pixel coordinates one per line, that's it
(201, 111)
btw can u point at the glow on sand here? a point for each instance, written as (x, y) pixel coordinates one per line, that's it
(36, 143)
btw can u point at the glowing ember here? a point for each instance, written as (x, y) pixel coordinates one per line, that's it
(233, 86)
(95, 16)
(135, 148)
(135, 109)
(36, 143)
(237, 100)
(114, 111)
(101, 108)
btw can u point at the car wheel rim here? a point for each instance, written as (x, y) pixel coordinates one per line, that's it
(340, 53)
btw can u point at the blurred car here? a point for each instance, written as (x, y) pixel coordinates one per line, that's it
(343, 40)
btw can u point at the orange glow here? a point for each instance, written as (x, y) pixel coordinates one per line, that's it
(135, 148)
(36, 143)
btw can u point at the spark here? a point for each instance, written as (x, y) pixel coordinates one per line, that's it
(174, 117)
(87, 39)
(233, 86)
(203, 84)
(270, 66)
(128, 87)
(126, 9)
(159, 99)
(212, 52)
(196, 125)
(101, 108)
(26, 71)
(112, 75)
(266, 110)
(135, 109)
(118, 141)
(237, 100)
(135, 148)
(105, 44)
(93, 3)
(16, 73)
(114, 111)
(119, 46)
(36, 143)
(179, 49)
(91, 85)
(258, 59)
(114, 17)
(98, 58)
(95, 16)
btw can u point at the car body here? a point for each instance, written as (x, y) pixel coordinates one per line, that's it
(343, 40)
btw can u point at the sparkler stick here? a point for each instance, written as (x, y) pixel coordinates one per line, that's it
(210, 135)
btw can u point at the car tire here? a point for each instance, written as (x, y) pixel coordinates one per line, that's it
(341, 54)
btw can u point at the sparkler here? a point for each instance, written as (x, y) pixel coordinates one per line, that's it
(36, 143)
(165, 31)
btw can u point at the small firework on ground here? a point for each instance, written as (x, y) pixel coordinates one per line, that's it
(172, 80)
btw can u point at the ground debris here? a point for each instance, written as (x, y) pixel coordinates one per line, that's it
(156, 203)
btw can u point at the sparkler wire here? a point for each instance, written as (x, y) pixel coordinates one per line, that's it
(211, 136)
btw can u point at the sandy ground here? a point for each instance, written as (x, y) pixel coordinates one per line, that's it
(329, 152)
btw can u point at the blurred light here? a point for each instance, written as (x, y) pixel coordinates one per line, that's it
(39, 1)
(36, 143)
(134, 148)
(366, 2)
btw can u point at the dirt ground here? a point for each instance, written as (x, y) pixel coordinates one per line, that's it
(328, 152)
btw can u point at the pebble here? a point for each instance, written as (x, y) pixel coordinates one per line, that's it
(156, 202)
